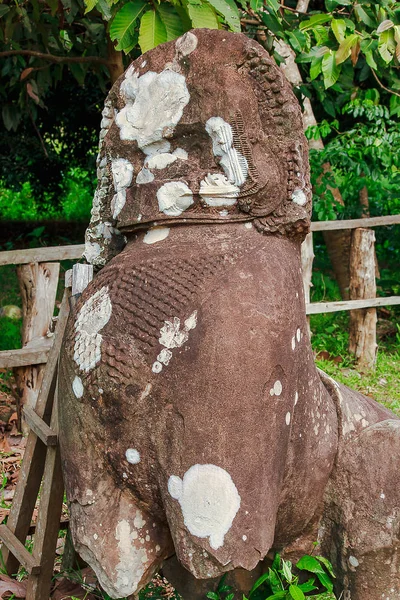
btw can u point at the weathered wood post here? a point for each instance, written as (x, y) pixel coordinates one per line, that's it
(362, 341)
(307, 259)
(38, 285)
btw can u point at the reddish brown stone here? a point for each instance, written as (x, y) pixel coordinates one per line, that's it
(193, 419)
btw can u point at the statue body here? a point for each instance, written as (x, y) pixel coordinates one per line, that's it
(193, 418)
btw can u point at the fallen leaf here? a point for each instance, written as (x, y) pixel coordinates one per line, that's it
(4, 445)
(7, 584)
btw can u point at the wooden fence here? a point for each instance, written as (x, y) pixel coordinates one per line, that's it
(36, 351)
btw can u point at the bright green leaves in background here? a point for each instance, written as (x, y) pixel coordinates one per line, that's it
(151, 24)
(345, 41)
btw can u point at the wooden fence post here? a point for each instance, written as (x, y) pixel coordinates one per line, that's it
(307, 259)
(38, 284)
(362, 342)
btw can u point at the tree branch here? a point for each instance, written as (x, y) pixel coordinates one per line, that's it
(57, 59)
(384, 86)
(302, 6)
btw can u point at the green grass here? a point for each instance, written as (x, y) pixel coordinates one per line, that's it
(383, 384)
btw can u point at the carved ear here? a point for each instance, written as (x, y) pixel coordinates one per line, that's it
(292, 217)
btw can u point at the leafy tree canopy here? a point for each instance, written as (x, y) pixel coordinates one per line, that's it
(58, 58)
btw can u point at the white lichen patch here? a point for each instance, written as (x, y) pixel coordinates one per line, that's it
(156, 234)
(299, 197)
(77, 387)
(296, 398)
(156, 367)
(138, 521)
(186, 44)
(160, 161)
(92, 252)
(233, 163)
(353, 561)
(209, 501)
(293, 342)
(154, 102)
(132, 559)
(122, 172)
(144, 176)
(276, 390)
(91, 319)
(172, 336)
(249, 225)
(181, 154)
(298, 335)
(174, 197)
(132, 456)
(216, 190)
(165, 356)
(287, 418)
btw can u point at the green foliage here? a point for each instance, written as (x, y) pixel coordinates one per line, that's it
(281, 583)
(151, 24)
(366, 155)
(223, 591)
(75, 196)
(10, 333)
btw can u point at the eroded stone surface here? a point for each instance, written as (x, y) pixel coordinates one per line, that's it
(193, 419)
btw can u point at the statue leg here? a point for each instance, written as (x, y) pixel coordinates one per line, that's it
(363, 514)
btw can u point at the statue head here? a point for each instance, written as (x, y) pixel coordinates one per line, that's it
(204, 129)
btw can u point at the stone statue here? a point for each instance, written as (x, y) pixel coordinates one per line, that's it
(193, 419)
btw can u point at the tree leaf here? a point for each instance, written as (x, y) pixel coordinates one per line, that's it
(315, 20)
(309, 563)
(287, 570)
(316, 67)
(325, 580)
(203, 16)
(229, 11)
(296, 592)
(386, 45)
(308, 586)
(344, 50)
(259, 582)
(11, 116)
(385, 26)
(331, 72)
(277, 596)
(90, 4)
(327, 564)
(3, 10)
(339, 29)
(363, 16)
(124, 21)
(104, 8)
(152, 31)
(272, 22)
(25, 73)
(171, 20)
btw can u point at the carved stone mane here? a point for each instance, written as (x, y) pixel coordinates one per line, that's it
(191, 134)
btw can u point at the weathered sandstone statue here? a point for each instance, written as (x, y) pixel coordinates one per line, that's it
(193, 419)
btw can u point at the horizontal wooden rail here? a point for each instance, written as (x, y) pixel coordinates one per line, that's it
(355, 223)
(316, 308)
(24, 357)
(45, 254)
(74, 252)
